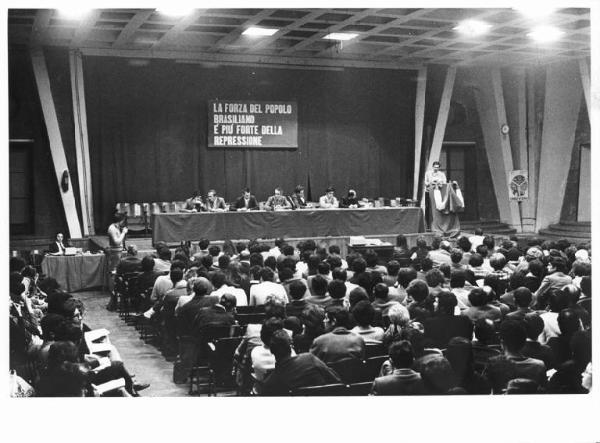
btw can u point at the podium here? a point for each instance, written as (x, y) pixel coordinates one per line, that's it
(446, 201)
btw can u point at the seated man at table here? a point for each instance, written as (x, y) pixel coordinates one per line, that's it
(57, 247)
(297, 198)
(350, 201)
(194, 203)
(328, 200)
(246, 202)
(278, 201)
(215, 203)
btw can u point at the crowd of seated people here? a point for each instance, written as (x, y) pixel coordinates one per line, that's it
(47, 346)
(464, 317)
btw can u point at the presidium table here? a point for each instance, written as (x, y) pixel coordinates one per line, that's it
(77, 272)
(176, 227)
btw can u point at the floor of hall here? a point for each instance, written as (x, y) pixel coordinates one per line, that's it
(142, 359)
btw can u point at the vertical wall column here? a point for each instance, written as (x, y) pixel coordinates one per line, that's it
(489, 99)
(81, 142)
(561, 112)
(419, 120)
(56, 145)
(442, 117)
(533, 153)
(515, 99)
(584, 71)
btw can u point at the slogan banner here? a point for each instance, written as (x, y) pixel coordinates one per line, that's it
(518, 185)
(252, 124)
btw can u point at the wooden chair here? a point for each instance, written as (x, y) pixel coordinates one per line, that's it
(350, 370)
(358, 389)
(375, 350)
(201, 356)
(254, 318)
(333, 390)
(125, 290)
(372, 367)
(220, 361)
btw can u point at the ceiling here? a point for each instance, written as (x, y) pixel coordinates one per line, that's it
(387, 37)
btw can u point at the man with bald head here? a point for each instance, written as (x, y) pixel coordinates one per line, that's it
(131, 262)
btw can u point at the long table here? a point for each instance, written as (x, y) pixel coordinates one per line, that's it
(77, 272)
(176, 227)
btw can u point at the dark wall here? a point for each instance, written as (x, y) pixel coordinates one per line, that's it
(26, 122)
(148, 131)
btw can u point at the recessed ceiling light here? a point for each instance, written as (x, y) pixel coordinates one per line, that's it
(535, 11)
(256, 31)
(73, 13)
(472, 28)
(340, 36)
(545, 34)
(174, 10)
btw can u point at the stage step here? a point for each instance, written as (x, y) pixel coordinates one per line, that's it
(572, 231)
(489, 227)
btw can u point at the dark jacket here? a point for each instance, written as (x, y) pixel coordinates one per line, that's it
(338, 345)
(295, 372)
(401, 382)
(441, 328)
(252, 203)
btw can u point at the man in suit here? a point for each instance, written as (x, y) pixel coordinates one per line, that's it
(278, 201)
(246, 202)
(130, 263)
(215, 203)
(294, 372)
(297, 198)
(57, 247)
(340, 343)
(186, 315)
(403, 380)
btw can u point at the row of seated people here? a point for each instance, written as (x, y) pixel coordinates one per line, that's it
(47, 346)
(445, 299)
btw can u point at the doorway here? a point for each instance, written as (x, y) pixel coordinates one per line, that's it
(20, 187)
(458, 160)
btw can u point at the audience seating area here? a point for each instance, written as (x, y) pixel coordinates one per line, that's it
(466, 316)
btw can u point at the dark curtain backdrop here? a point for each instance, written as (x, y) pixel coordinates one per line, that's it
(148, 131)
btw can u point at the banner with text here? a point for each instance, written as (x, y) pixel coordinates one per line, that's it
(252, 124)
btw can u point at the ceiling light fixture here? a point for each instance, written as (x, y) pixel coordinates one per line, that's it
(174, 10)
(255, 31)
(73, 13)
(342, 36)
(545, 34)
(472, 28)
(535, 11)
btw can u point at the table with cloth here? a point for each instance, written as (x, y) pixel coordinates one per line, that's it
(175, 227)
(77, 272)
